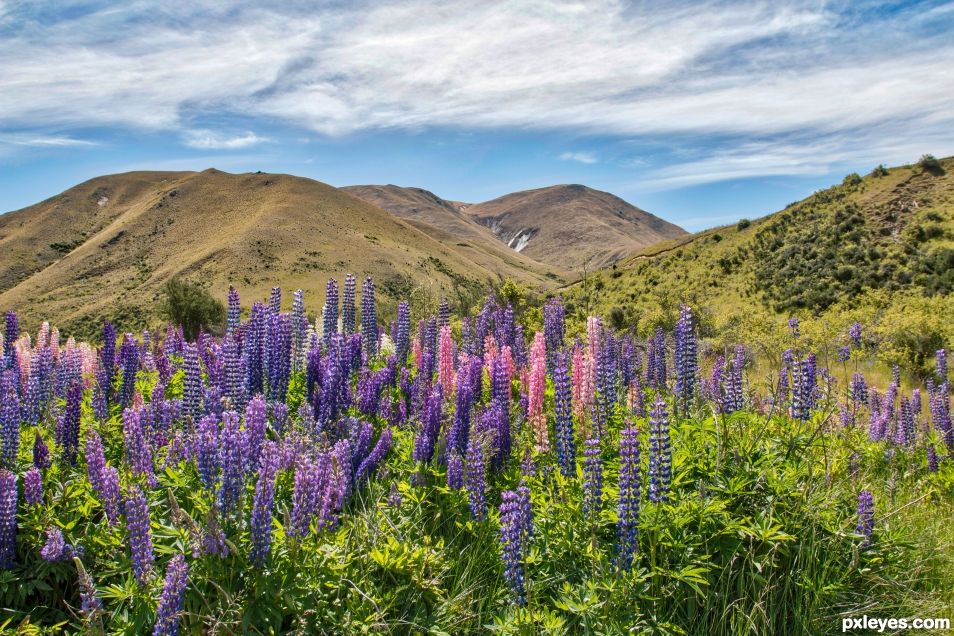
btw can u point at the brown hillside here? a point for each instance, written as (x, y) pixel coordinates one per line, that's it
(428, 212)
(75, 261)
(565, 225)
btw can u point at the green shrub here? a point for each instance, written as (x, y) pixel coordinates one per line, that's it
(931, 165)
(742, 224)
(852, 179)
(192, 307)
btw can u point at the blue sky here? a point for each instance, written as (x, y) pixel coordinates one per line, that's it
(701, 112)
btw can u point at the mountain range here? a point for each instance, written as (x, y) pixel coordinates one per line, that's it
(106, 247)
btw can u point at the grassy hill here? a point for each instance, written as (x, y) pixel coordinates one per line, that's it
(879, 248)
(104, 248)
(569, 225)
(445, 221)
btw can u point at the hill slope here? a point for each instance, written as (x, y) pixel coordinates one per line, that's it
(445, 221)
(890, 234)
(105, 247)
(565, 225)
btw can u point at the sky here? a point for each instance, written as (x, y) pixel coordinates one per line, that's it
(700, 112)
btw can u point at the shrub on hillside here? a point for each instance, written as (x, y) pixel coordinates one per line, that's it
(192, 307)
(930, 164)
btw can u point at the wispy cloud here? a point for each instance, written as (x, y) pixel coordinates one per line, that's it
(698, 72)
(42, 141)
(210, 140)
(581, 157)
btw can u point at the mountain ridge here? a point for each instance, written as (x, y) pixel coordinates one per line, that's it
(566, 225)
(82, 259)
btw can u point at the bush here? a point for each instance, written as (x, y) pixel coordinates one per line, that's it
(930, 164)
(617, 318)
(192, 307)
(744, 223)
(880, 171)
(852, 179)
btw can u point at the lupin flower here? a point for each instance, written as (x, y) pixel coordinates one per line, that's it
(865, 525)
(402, 341)
(68, 424)
(235, 373)
(140, 534)
(278, 355)
(275, 300)
(299, 330)
(369, 319)
(255, 424)
(660, 454)
(8, 519)
(445, 360)
(932, 458)
(630, 486)
(329, 313)
(844, 354)
(515, 533)
(686, 364)
(90, 605)
(476, 474)
(207, 449)
(535, 394)
(940, 358)
(592, 479)
(859, 390)
(10, 335)
(173, 597)
(794, 326)
(129, 354)
(55, 548)
(854, 335)
(905, 434)
(660, 374)
(192, 383)
(260, 525)
(430, 427)
(234, 312)
(9, 419)
(111, 494)
(554, 329)
(138, 450)
(563, 411)
(33, 487)
(373, 460)
(455, 471)
(232, 452)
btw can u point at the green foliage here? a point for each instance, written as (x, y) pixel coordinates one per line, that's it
(192, 307)
(930, 164)
(743, 224)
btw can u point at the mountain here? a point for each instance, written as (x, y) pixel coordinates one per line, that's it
(881, 246)
(569, 225)
(444, 221)
(104, 248)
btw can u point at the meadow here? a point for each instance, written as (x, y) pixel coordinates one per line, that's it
(466, 474)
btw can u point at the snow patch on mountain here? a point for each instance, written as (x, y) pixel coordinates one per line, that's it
(520, 240)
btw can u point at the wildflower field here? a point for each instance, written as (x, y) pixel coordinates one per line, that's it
(464, 474)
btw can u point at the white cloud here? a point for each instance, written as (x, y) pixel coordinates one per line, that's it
(712, 68)
(41, 141)
(581, 157)
(210, 140)
(894, 144)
